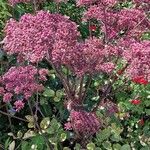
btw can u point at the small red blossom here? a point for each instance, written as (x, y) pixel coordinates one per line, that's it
(135, 101)
(119, 72)
(141, 122)
(92, 27)
(140, 80)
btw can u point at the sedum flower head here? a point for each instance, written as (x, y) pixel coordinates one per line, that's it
(35, 36)
(137, 55)
(20, 83)
(84, 123)
(14, 2)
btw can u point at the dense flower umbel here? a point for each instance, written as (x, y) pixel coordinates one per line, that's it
(137, 55)
(89, 57)
(130, 22)
(20, 82)
(102, 2)
(142, 4)
(83, 123)
(14, 2)
(33, 37)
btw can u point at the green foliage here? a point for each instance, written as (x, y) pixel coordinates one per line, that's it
(4, 15)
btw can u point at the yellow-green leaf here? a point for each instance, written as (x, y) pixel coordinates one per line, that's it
(45, 123)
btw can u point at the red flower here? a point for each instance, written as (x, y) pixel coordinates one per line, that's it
(119, 72)
(135, 101)
(140, 80)
(141, 122)
(92, 27)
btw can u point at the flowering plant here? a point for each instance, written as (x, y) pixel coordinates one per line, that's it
(90, 68)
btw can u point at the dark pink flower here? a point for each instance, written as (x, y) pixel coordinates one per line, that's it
(68, 126)
(35, 37)
(7, 97)
(43, 73)
(2, 91)
(84, 123)
(19, 104)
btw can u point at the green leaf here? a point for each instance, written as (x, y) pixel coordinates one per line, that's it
(45, 123)
(59, 93)
(116, 138)
(77, 147)
(49, 93)
(147, 111)
(24, 145)
(66, 148)
(57, 99)
(7, 143)
(63, 137)
(38, 141)
(125, 147)
(90, 146)
(29, 134)
(31, 125)
(145, 148)
(50, 130)
(98, 148)
(29, 118)
(53, 140)
(107, 145)
(19, 134)
(103, 135)
(12, 146)
(116, 146)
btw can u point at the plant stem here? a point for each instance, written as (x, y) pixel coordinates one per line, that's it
(9, 119)
(38, 127)
(87, 87)
(81, 89)
(62, 78)
(12, 116)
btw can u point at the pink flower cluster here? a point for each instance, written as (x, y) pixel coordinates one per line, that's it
(19, 104)
(14, 2)
(19, 84)
(142, 4)
(131, 22)
(137, 54)
(83, 123)
(34, 37)
(89, 57)
(101, 2)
